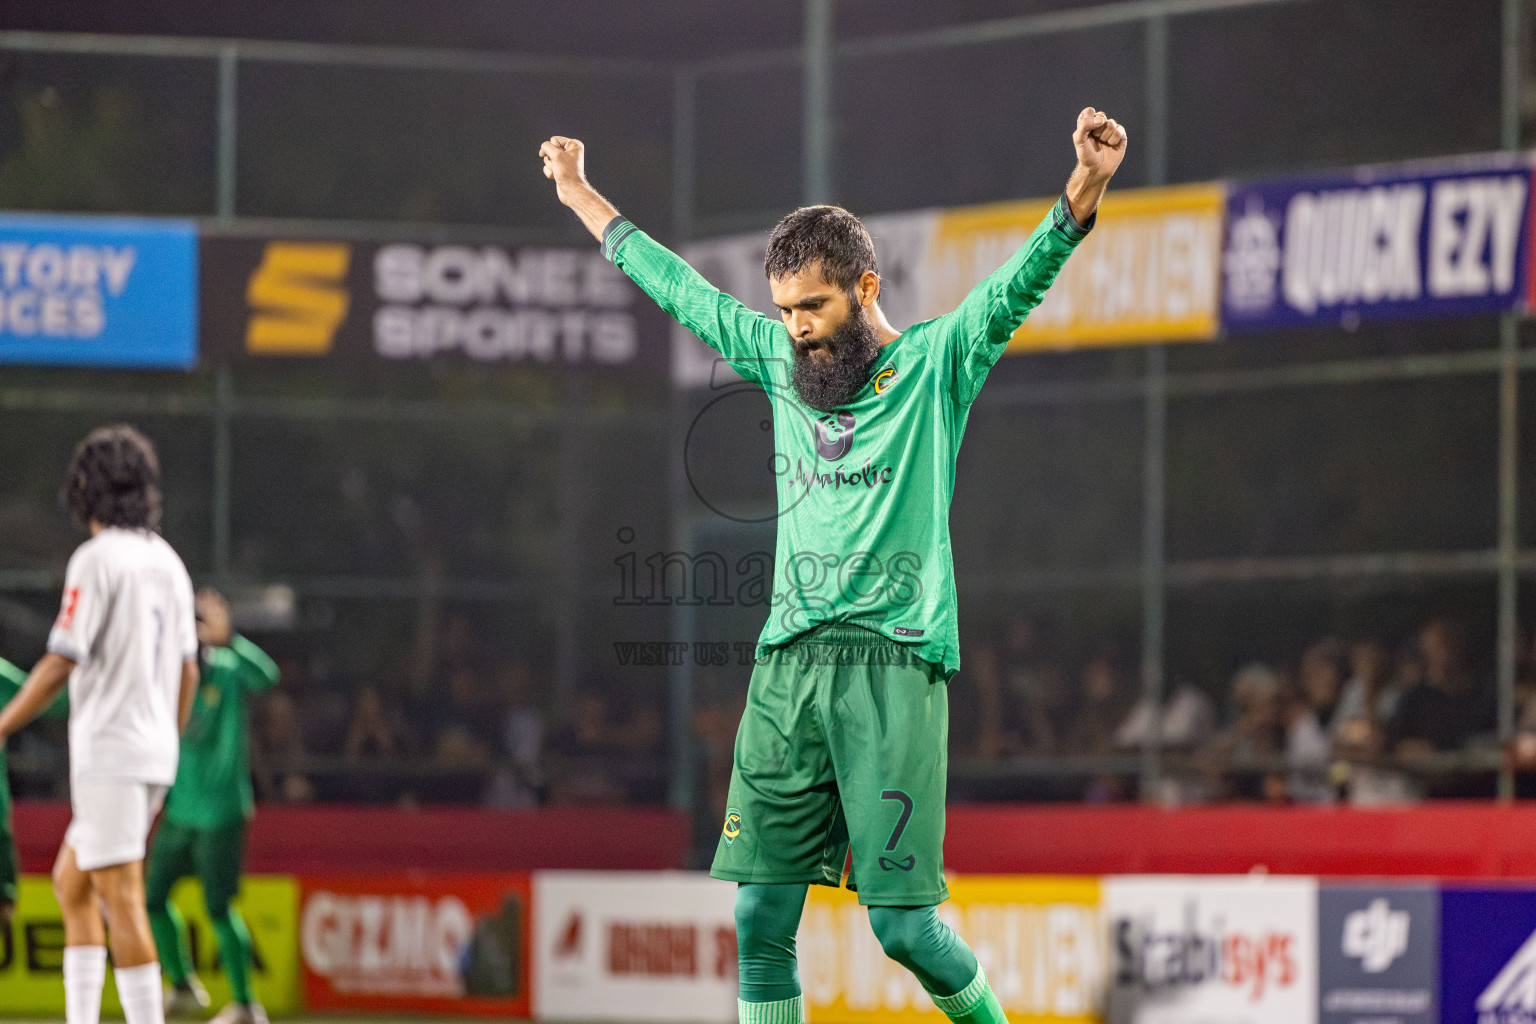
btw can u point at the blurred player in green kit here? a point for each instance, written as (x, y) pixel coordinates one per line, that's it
(11, 679)
(202, 831)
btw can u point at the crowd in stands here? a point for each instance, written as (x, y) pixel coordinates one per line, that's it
(1360, 719)
(1353, 719)
(486, 736)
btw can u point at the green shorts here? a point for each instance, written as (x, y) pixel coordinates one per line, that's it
(214, 855)
(844, 742)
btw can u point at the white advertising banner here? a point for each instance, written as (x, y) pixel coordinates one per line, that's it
(634, 946)
(1212, 950)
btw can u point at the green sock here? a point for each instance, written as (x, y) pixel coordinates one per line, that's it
(974, 1004)
(781, 1011)
(235, 953)
(170, 933)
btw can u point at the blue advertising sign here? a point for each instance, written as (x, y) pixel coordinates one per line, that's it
(1379, 951)
(1382, 242)
(1488, 956)
(83, 291)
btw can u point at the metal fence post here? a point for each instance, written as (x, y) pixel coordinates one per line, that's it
(1509, 425)
(223, 472)
(681, 676)
(224, 171)
(1155, 429)
(817, 128)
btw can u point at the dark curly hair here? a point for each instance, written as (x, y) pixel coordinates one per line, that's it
(828, 235)
(114, 479)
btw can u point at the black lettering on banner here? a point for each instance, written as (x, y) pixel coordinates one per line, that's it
(901, 822)
(45, 946)
(8, 956)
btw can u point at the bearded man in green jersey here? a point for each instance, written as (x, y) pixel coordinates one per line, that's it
(11, 679)
(202, 830)
(842, 745)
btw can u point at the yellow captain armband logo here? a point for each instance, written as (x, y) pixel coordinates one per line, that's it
(883, 379)
(732, 827)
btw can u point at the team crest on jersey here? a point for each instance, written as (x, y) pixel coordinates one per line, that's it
(732, 827)
(883, 379)
(834, 434)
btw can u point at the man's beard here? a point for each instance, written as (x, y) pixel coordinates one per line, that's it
(853, 347)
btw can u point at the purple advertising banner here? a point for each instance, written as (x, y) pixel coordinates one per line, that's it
(1488, 955)
(1383, 242)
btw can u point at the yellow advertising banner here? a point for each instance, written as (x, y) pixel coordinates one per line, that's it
(32, 951)
(1040, 939)
(1147, 273)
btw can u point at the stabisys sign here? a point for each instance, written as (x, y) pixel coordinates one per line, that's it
(1383, 242)
(417, 302)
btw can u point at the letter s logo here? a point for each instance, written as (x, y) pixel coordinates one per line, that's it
(298, 297)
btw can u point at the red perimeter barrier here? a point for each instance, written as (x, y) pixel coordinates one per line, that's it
(1445, 840)
(326, 838)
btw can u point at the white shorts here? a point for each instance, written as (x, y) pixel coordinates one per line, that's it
(111, 820)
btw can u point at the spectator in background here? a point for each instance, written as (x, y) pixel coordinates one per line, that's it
(519, 776)
(1368, 698)
(588, 768)
(1183, 723)
(374, 731)
(1309, 718)
(462, 725)
(1034, 687)
(279, 751)
(1449, 706)
(983, 675)
(1257, 733)
(1105, 703)
(1367, 702)
(1106, 700)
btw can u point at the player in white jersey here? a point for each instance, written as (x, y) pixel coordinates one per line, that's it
(126, 644)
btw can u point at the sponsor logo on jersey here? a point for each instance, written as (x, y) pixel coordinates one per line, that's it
(834, 434)
(732, 827)
(1510, 997)
(1376, 936)
(905, 631)
(887, 864)
(883, 379)
(298, 297)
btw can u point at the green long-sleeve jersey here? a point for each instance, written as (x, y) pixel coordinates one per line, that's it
(864, 491)
(213, 777)
(11, 679)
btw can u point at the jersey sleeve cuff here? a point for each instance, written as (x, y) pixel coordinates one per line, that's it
(1063, 221)
(65, 649)
(615, 234)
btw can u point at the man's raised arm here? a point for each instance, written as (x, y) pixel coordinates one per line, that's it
(565, 163)
(743, 336)
(995, 308)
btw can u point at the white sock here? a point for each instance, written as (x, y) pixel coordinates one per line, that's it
(139, 989)
(85, 972)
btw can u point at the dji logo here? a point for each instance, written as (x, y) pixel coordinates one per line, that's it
(1376, 936)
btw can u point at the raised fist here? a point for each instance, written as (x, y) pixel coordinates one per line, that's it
(564, 162)
(1100, 143)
